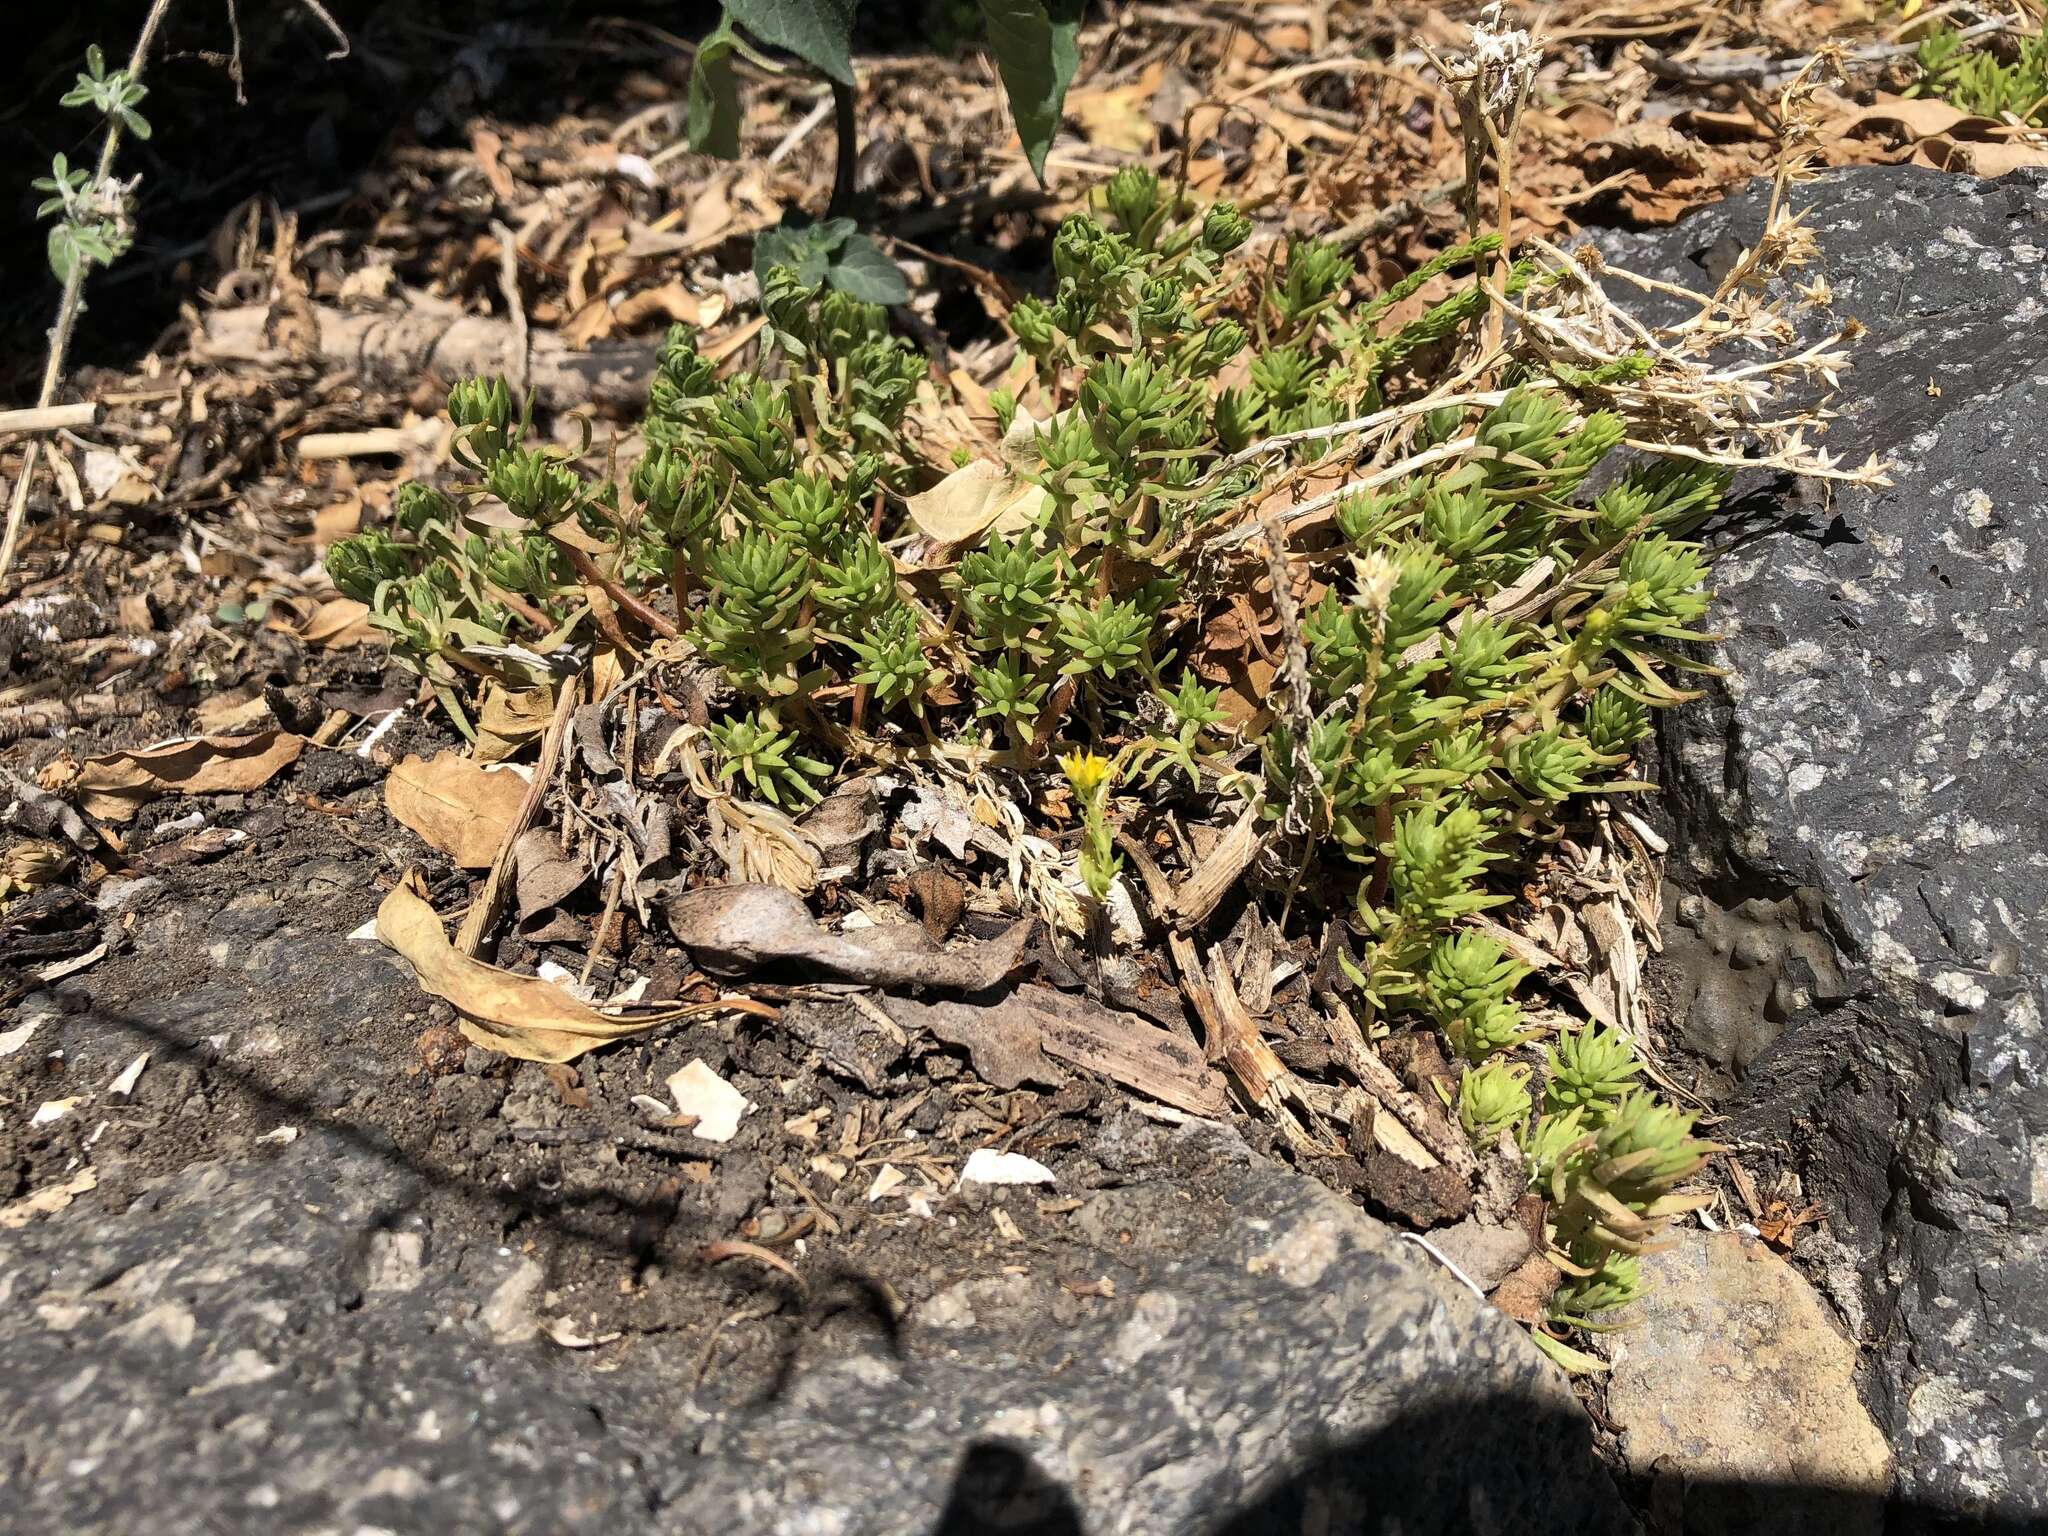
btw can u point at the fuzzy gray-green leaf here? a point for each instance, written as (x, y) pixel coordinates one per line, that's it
(861, 271)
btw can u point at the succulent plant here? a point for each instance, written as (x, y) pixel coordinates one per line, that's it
(1224, 229)
(1449, 727)
(1493, 1098)
(1552, 1142)
(1621, 1192)
(1980, 82)
(1591, 1070)
(482, 412)
(755, 748)
(1615, 1281)
(891, 658)
(1468, 969)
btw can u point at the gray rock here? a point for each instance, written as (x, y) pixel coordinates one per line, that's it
(1861, 814)
(279, 1345)
(1486, 1251)
(1302, 1373)
(232, 1354)
(118, 897)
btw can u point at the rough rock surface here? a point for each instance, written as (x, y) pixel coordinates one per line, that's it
(276, 1345)
(1305, 1325)
(1860, 817)
(1737, 1375)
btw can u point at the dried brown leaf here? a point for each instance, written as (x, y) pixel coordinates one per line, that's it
(456, 805)
(1526, 1292)
(545, 876)
(508, 718)
(338, 624)
(522, 1016)
(671, 301)
(974, 500)
(47, 1200)
(115, 787)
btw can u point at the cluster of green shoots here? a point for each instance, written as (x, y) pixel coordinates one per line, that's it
(93, 227)
(1485, 633)
(1978, 81)
(1606, 1154)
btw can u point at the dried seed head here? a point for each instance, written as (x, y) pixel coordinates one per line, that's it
(1376, 575)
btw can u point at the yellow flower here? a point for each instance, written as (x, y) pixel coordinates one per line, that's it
(1086, 771)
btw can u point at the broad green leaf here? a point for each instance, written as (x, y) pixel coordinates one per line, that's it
(862, 271)
(805, 248)
(834, 253)
(1036, 50)
(820, 32)
(714, 109)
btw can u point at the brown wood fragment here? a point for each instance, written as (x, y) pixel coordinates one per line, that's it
(1420, 1197)
(1429, 1125)
(483, 912)
(1200, 893)
(1231, 1035)
(1126, 1049)
(425, 335)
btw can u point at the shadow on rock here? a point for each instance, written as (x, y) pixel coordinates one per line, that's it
(1429, 1474)
(1000, 1491)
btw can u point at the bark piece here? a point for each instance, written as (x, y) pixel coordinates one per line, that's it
(426, 335)
(741, 927)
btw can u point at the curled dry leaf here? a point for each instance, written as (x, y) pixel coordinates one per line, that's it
(30, 865)
(508, 718)
(744, 926)
(1524, 1294)
(231, 714)
(1995, 159)
(456, 805)
(1019, 1038)
(522, 1016)
(671, 301)
(115, 787)
(1918, 117)
(1003, 1042)
(973, 500)
(544, 876)
(986, 496)
(338, 624)
(1935, 133)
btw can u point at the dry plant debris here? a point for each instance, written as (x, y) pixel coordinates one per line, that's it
(1206, 465)
(1200, 815)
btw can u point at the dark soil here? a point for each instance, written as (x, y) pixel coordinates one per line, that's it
(259, 1012)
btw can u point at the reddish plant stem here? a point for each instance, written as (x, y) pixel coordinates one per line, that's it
(586, 568)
